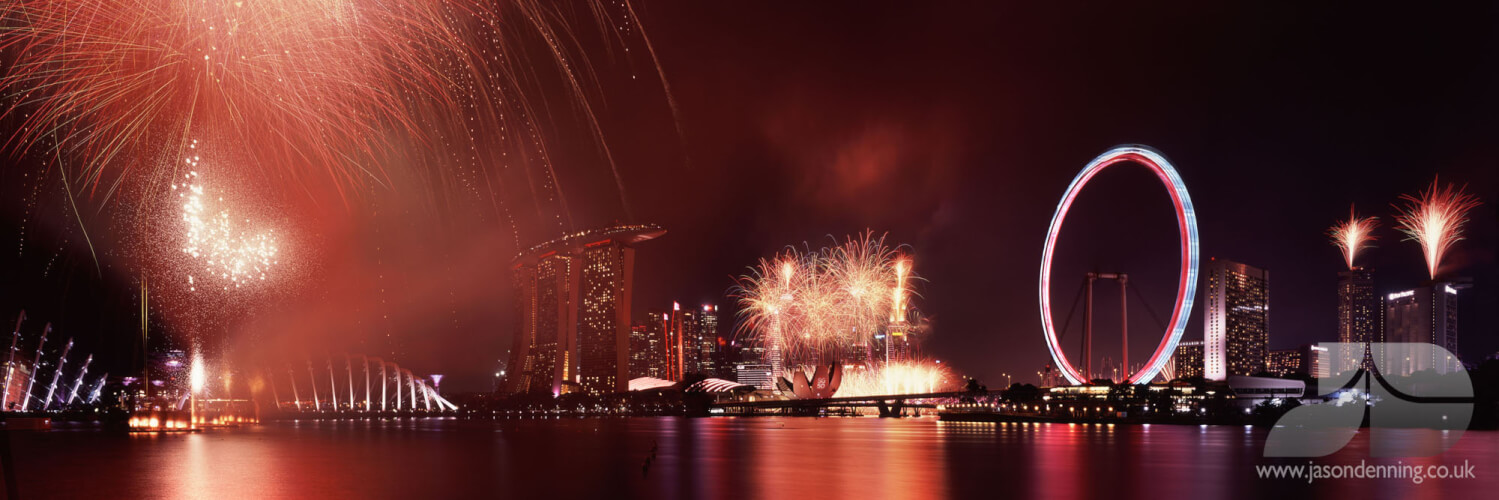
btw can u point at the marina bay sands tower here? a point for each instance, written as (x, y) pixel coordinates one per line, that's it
(572, 301)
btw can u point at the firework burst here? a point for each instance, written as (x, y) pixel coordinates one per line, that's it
(813, 306)
(218, 244)
(299, 83)
(1353, 235)
(330, 94)
(1435, 219)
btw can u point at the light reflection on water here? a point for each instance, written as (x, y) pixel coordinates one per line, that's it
(700, 458)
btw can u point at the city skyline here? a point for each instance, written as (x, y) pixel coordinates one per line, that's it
(799, 155)
(676, 250)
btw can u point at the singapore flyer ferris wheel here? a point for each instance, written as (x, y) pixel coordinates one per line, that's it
(1186, 289)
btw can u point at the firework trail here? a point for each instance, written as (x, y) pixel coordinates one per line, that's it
(453, 102)
(301, 84)
(814, 306)
(308, 92)
(1435, 219)
(1353, 235)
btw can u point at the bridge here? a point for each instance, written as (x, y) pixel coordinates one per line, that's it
(892, 405)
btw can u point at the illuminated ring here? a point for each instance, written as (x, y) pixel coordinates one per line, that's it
(1186, 285)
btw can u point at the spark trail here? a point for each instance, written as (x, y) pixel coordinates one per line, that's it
(1353, 235)
(1435, 219)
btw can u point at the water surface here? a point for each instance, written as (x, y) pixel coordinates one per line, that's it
(777, 458)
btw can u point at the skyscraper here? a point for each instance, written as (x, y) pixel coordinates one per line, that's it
(1360, 316)
(1236, 319)
(898, 345)
(604, 316)
(545, 324)
(687, 341)
(573, 312)
(639, 350)
(648, 342)
(1187, 361)
(1422, 315)
(707, 329)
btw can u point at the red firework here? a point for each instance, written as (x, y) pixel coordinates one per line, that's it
(1435, 219)
(1353, 235)
(299, 88)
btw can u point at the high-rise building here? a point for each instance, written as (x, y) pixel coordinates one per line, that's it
(1309, 360)
(687, 341)
(661, 339)
(604, 316)
(897, 343)
(694, 341)
(573, 312)
(1236, 320)
(707, 346)
(675, 366)
(546, 324)
(1315, 361)
(648, 341)
(751, 351)
(640, 350)
(1360, 317)
(1187, 361)
(1422, 315)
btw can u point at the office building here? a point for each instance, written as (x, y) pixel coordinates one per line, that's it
(1360, 316)
(1316, 362)
(1426, 315)
(1282, 362)
(648, 343)
(686, 341)
(1187, 361)
(707, 345)
(1236, 319)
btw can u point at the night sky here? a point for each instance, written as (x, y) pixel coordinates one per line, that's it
(954, 128)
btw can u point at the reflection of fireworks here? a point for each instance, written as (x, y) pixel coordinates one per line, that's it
(1435, 219)
(1353, 235)
(813, 305)
(217, 243)
(897, 378)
